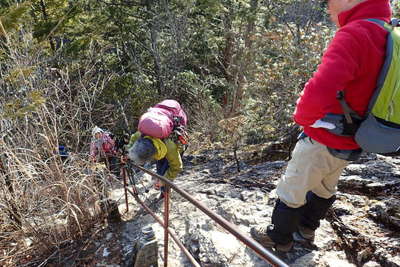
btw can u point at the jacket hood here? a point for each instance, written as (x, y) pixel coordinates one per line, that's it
(370, 9)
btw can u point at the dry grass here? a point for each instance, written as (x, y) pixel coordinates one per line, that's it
(46, 202)
(49, 204)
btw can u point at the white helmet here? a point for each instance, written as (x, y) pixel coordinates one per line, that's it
(96, 130)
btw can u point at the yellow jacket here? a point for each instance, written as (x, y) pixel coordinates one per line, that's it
(165, 148)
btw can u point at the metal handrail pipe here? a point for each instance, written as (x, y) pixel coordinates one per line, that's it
(170, 231)
(166, 224)
(231, 228)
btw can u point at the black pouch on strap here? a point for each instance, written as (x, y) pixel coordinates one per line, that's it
(343, 128)
(345, 154)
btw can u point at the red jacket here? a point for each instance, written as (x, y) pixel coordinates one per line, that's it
(102, 145)
(351, 63)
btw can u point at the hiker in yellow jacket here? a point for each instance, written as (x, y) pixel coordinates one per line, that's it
(166, 152)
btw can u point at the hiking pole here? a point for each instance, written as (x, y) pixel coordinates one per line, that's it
(133, 178)
(125, 188)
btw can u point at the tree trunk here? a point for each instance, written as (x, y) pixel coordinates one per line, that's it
(154, 47)
(46, 18)
(237, 64)
(246, 58)
(227, 58)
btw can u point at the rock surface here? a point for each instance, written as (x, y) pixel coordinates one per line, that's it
(362, 228)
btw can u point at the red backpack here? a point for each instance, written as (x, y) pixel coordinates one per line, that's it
(163, 119)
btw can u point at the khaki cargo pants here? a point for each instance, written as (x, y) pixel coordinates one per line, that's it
(312, 168)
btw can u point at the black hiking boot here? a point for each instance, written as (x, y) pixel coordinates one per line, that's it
(260, 234)
(305, 236)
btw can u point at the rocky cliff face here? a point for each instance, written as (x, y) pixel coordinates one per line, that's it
(362, 228)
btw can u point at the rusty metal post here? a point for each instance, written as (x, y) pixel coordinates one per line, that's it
(173, 234)
(125, 188)
(265, 254)
(166, 223)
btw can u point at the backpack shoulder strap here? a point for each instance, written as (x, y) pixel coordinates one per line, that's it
(387, 26)
(377, 21)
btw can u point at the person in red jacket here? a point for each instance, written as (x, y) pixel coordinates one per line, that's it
(350, 65)
(103, 149)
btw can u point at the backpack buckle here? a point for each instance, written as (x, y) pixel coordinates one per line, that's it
(182, 140)
(182, 135)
